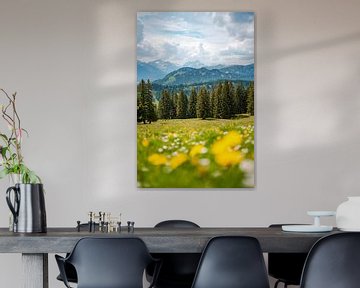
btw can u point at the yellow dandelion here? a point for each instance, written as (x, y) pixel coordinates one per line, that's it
(157, 159)
(232, 138)
(219, 147)
(178, 160)
(197, 149)
(145, 142)
(228, 158)
(227, 143)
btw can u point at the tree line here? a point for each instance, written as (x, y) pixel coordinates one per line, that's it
(224, 101)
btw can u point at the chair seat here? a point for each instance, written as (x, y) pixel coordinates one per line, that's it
(108, 263)
(177, 270)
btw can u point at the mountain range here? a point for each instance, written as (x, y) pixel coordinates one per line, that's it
(167, 73)
(188, 76)
(154, 70)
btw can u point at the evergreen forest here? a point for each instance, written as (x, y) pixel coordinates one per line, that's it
(221, 100)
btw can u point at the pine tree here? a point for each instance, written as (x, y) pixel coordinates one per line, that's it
(150, 109)
(232, 99)
(241, 95)
(250, 99)
(192, 103)
(212, 103)
(141, 102)
(173, 106)
(182, 104)
(139, 110)
(217, 100)
(165, 105)
(225, 102)
(203, 103)
(146, 109)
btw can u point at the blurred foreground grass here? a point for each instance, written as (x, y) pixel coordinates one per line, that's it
(194, 153)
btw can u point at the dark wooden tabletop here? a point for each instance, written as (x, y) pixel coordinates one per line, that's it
(158, 240)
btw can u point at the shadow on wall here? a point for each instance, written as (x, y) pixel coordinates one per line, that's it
(310, 47)
(307, 115)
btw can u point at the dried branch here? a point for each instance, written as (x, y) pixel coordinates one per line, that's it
(12, 161)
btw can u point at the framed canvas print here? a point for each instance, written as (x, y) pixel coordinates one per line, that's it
(195, 100)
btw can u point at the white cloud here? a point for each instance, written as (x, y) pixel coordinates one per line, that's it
(208, 37)
(140, 31)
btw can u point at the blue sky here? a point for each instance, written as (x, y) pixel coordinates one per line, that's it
(211, 38)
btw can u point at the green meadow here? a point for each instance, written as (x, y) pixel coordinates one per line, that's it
(195, 153)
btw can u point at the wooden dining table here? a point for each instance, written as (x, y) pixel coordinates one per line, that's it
(35, 247)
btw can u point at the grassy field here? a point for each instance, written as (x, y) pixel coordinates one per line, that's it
(194, 153)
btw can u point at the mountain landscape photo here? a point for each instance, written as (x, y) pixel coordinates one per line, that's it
(195, 99)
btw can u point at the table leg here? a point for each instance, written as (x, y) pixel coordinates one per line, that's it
(35, 270)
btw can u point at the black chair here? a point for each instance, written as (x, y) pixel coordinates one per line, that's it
(69, 269)
(232, 262)
(176, 224)
(108, 263)
(333, 262)
(286, 267)
(178, 269)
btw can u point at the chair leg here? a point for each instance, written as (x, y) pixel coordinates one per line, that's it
(278, 282)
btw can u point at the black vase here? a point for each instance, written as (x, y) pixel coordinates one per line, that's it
(28, 208)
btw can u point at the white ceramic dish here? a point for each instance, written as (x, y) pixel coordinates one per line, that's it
(321, 213)
(306, 228)
(350, 229)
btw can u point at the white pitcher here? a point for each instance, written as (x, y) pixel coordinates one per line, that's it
(348, 214)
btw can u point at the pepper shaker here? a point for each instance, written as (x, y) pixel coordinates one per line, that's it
(78, 226)
(90, 221)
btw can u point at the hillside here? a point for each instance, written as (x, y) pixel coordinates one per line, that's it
(187, 75)
(147, 71)
(154, 70)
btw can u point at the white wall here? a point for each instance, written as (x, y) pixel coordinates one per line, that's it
(73, 66)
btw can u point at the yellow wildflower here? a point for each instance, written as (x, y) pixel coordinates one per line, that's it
(197, 149)
(219, 147)
(227, 143)
(178, 160)
(228, 158)
(145, 142)
(225, 149)
(157, 159)
(232, 138)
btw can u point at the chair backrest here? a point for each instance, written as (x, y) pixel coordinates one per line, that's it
(176, 224)
(286, 267)
(333, 262)
(178, 269)
(232, 262)
(110, 262)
